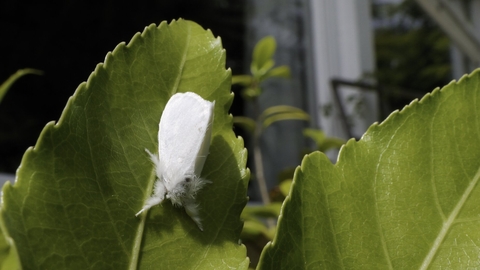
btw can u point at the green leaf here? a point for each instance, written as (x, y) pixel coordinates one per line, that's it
(9, 82)
(317, 135)
(331, 143)
(244, 80)
(77, 191)
(405, 196)
(247, 123)
(260, 73)
(266, 211)
(285, 116)
(323, 143)
(280, 113)
(285, 187)
(263, 53)
(252, 228)
(8, 252)
(250, 93)
(255, 218)
(279, 109)
(280, 71)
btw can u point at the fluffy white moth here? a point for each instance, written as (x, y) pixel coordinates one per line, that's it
(184, 135)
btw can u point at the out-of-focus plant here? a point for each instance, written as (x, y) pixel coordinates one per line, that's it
(9, 82)
(412, 53)
(260, 225)
(263, 68)
(259, 221)
(322, 142)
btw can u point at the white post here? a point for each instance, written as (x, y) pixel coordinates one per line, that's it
(342, 48)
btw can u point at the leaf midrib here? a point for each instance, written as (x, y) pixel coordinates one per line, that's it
(139, 235)
(449, 222)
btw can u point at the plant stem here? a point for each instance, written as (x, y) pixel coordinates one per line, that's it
(258, 160)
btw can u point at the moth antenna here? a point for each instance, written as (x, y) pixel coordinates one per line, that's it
(139, 212)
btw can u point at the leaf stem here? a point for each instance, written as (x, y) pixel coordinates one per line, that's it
(138, 242)
(258, 160)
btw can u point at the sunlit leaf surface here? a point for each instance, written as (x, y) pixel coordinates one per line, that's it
(406, 196)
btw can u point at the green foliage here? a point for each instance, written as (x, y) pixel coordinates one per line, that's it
(412, 53)
(8, 253)
(285, 187)
(271, 115)
(77, 191)
(405, 196)
(260, 220)
(322, 142)
(247, 123)
(263, 52)
(414, 60)
(11, 80)
(280, 113)
(262, 68)
(254, 218)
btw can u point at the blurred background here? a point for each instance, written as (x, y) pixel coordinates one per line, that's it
(352, 62)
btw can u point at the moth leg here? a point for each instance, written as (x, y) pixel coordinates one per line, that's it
(156, 161)
(197, 184)
(153, 157)
(191, 207)
(159, 192)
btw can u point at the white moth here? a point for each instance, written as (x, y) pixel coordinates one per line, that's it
(184, 136)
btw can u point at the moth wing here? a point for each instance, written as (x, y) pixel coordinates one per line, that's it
(184, 135)
(202, 154)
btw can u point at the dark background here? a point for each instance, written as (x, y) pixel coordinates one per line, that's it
(67, 39)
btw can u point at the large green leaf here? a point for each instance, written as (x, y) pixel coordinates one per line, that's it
(8, 252)
(405, 196)
(77, 191)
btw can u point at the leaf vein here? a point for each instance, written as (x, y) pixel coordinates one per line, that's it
(450, 221)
